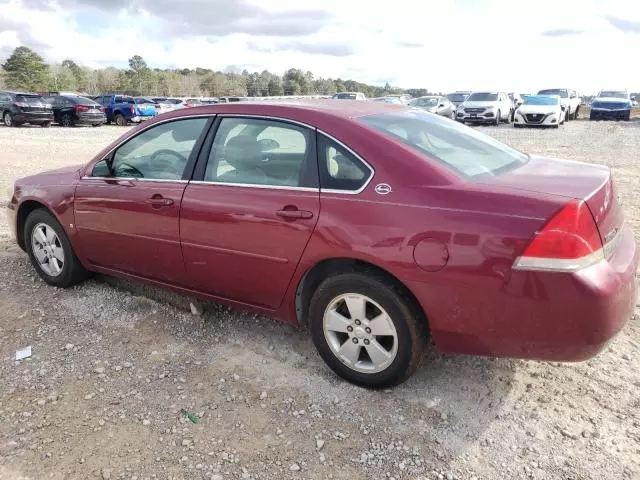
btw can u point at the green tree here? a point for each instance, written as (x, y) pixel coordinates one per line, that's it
(26, 70)
(78, 73)
(274, 88)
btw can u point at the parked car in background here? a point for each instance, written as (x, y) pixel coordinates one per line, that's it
(404, 98)
(540, 111)
(486, 107)
(74, 110)
(468, 233)
(349, 96)
(457, 98)
(394, 100)
(18, 108)
(167, 104)
(148, 101)
(435, 104)
(122, 109)
(517, 99)
(568, 98)
(611, 104)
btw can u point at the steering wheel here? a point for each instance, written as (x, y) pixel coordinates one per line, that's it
(166, 151)
(132, 169)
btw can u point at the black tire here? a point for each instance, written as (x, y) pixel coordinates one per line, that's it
(592, 116)
(45, 124)
(67, 120)
(627, 116)
(96, 124)
(120, 120)
(517, 125)
(7, 118)
(497, 123)
(576, 114)
(72, 271)
(567, 114)
(407, 318)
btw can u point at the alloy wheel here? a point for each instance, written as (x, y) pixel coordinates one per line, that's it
(8, 121)
(47, 249)
(360, 333)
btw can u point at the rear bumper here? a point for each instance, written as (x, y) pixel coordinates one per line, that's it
(538, 315)
(91, 119)
(33, 117)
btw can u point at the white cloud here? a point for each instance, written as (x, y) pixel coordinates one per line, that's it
(461, 44)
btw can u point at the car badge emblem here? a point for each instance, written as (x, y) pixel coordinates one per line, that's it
(383, 189)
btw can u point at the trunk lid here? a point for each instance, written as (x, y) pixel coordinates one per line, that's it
(569, 179)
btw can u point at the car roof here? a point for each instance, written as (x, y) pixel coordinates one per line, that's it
(307, 108)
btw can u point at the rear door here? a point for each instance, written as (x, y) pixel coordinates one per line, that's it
(127, 219)
(248, 214)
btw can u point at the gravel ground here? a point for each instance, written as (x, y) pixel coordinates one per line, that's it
(116, 365)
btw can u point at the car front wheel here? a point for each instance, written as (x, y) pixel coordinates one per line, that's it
(7, 118)
(120, 120)
(367, 329)
(50, 251)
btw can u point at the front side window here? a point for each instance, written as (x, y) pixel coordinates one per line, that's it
(339, 168)
(159, 153)
(254, 151)
(462, 149)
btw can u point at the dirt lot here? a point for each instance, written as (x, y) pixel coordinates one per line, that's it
(113, 364)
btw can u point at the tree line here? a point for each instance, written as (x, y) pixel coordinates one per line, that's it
(26, 70)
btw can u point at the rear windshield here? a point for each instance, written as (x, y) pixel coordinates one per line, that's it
(144, 100)
(462, 149)
(482, 97)
(30, 99)
(83, 101)
(562, 92)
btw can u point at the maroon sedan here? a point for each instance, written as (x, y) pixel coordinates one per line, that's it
(376, 225)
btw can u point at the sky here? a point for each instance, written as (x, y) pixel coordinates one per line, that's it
(442, 45)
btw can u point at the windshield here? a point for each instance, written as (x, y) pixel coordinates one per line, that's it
(345, 96)
(541, 100)
(144, 100)
(562, 92)
(482, 97)
(613, 94)
(425, 102)
(462, 149)
(457, 97)
(30, 99)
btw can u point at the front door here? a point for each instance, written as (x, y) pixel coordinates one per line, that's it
(247, 217)
(127, 214)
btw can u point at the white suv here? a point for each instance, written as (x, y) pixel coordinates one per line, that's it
(568, 98)
(486, 107)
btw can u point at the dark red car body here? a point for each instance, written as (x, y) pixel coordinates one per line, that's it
(451, 241)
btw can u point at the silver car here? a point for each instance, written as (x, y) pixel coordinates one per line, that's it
(486, 107)
(435, 104)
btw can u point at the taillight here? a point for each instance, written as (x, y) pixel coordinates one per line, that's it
(81, 108)
(568, 242)
(101, 108)
(133, 110)
(21, 104)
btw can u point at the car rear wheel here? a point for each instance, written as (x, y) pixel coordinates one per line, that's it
(45, 124)
(66, 120)
(7, 118)
(367, 329)
(50, 251)
(498, 117)
(120, 120)
(576, 113)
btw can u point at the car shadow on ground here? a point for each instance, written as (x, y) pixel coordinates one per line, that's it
(451, 400)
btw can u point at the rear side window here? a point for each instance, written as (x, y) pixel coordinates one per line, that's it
(462, 149)
(30, 99)
(339, 168)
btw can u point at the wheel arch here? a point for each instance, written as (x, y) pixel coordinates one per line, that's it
(324, 269)
(24, 210)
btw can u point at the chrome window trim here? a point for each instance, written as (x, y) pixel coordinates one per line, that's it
(251, 185)
(136, 179)
(558, 264)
